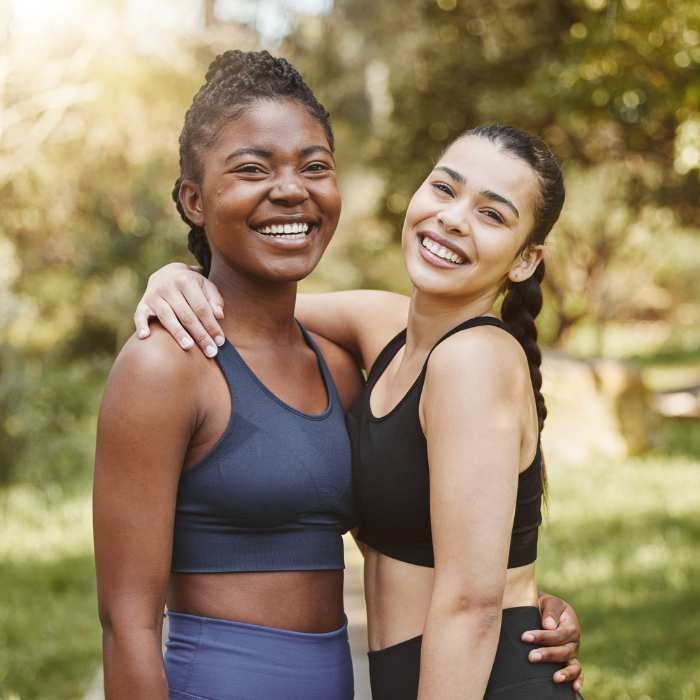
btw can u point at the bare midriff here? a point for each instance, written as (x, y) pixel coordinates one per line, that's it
(398, 596)
(302, 601)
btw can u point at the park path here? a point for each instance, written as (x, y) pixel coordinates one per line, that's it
(357, 628)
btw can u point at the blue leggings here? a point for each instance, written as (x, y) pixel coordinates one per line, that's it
(213, 659)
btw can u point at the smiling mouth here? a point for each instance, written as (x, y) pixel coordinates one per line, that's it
(440, 251)
(295, 231)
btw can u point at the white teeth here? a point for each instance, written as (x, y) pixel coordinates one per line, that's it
(291, 231)
(439, 250)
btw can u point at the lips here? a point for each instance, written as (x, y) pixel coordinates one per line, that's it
(443, 248)
(285, 227)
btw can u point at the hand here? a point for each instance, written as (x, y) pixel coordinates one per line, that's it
(186, 304)
(560, 640)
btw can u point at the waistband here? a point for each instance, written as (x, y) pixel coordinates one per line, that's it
(185, 621)
(514, 620)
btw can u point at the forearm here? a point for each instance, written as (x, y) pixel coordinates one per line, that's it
(133, 665)
(457, 652)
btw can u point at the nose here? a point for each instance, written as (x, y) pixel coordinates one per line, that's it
(454, 220)
(289, 190)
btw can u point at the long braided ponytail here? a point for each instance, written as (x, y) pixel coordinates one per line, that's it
(234, 80)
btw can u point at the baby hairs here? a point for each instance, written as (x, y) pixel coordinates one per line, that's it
(234, 80)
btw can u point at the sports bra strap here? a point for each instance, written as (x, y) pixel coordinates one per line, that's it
(471, 323)
(395, 344)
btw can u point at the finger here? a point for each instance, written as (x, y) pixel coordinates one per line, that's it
(563, 634)
(569, 673)
(141, 315)
(211, 291)
(553, 655)
(551, 609)
(203, 319)
(187, 322)
(578, 683)
(169, 321)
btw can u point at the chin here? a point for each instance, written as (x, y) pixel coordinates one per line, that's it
(291, 271)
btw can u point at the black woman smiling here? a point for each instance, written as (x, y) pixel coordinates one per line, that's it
(222, 489)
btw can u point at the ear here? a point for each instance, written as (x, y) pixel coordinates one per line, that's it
(190, 196)
(526, 263)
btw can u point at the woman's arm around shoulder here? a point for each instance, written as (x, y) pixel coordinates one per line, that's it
(189, 306)
(362, 321)
(472, 424)
(147, 417)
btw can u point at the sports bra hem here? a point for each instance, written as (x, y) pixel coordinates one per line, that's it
(245, 570)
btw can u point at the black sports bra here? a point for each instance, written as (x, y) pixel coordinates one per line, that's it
(391, 477)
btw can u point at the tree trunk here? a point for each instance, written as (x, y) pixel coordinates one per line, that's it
(209, 13)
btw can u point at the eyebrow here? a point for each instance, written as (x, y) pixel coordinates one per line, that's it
(264, 153)
(503, 200)
(309, 150)
(249, 151)
(458, 177)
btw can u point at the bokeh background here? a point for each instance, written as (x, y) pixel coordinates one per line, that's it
(92, 97)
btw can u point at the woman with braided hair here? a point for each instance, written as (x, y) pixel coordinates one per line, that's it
(222, 489)
(448, 473)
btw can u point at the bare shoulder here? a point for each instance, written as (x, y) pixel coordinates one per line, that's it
(479, 358)
(343, 368)
(157, 365)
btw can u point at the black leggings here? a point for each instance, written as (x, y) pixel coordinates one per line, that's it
(393, 672)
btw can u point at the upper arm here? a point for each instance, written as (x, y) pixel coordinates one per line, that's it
(473, 431)
(362, 321)
(145, 424)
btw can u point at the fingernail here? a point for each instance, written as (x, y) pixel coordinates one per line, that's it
(549, 622)
(528, 637)
(559, 677)
(219, 340)
(186, 343)
(218, 310)
(210, 351)
(143, 333)
(535, 656)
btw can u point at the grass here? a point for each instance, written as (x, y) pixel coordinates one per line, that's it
(620, 543)
(49, 636)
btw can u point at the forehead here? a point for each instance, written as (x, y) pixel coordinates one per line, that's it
(486, 166)
(275, 125)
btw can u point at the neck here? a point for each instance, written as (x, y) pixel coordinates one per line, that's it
(431, 316)
(257, 310)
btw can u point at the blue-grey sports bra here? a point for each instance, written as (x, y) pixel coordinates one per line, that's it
(275, 491)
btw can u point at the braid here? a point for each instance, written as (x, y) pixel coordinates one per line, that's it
(233, 82)
(522, 304)
(196, 238)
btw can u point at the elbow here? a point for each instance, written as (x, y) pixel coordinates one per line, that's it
(482, 607)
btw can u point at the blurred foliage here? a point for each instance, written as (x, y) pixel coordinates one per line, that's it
(88, 155)
(611, 85)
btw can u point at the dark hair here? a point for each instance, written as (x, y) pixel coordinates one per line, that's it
(234, 80)
(523, 300)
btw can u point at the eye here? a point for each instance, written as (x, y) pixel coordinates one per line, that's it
(317, 167)
(446, 189)
(251, 168)
(493, 214)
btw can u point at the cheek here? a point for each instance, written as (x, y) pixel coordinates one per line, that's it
(330, 201)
